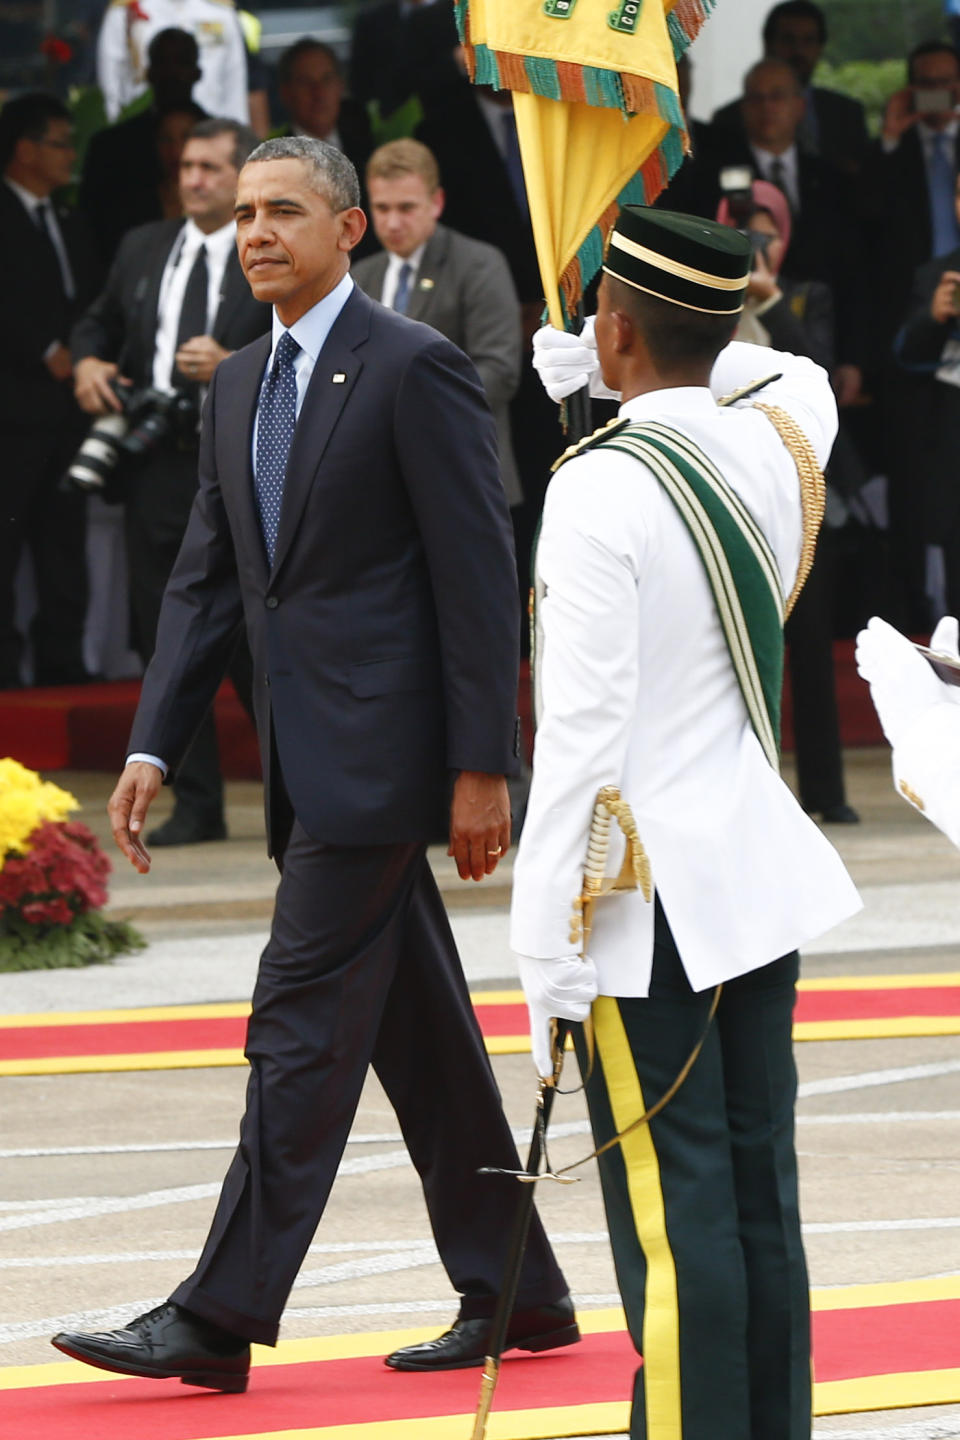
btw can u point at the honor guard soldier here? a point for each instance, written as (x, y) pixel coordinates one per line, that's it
(670, 543)
(129, 26)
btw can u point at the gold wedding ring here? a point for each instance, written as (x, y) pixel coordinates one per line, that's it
(498, 851)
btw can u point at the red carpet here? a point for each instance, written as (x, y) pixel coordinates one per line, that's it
(877, 1346)
(85, 727)
(183, 1036)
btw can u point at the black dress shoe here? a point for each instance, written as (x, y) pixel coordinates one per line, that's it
(186, 830)
(840, 815)
(546, 1328)
(168, 1343)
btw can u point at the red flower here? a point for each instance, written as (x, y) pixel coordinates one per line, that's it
(63, 874)
(56, 49)
(47, 912)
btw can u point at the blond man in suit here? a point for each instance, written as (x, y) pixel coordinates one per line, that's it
(462, 287)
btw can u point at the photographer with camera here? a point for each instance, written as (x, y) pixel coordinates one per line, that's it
(175, 304)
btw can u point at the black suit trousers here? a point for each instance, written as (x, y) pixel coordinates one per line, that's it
(160, 493)
(361, 968)
(702, 1203)
(34, 511)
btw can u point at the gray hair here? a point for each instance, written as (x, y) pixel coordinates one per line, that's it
(331, 173)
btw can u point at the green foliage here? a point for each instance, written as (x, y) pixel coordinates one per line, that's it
(880, 29)
(90, 939)
(870, 81)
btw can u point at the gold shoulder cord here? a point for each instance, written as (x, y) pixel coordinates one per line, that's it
(813, 490)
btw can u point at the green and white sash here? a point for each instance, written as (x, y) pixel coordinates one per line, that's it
(739, 564)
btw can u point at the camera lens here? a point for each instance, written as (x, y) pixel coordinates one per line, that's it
(96, 460)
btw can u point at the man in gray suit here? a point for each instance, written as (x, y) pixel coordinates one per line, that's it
(461, 287)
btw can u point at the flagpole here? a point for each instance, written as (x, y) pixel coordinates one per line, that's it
(579, 422)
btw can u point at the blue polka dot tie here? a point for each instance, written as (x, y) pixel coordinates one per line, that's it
(276, 420)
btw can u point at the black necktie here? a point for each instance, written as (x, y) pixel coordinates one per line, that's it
(193, 315)
(41, 216)
(778, 176)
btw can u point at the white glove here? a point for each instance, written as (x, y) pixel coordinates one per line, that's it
(902, 683)
(561, 989)
(565, 363)
(946, 639)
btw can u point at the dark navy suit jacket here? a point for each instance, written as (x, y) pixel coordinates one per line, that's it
(385, 635)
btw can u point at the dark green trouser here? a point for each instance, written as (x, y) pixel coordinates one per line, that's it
(702, 1204)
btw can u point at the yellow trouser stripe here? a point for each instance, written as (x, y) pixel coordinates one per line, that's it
(661, 1317)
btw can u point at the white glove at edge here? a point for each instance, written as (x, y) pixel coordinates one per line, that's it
(562, 989)
(565, 363)
(902, 684)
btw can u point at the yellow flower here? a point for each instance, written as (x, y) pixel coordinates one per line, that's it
(26, 801)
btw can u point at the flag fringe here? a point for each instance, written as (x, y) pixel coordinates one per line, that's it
(685, 22)
(559, 80)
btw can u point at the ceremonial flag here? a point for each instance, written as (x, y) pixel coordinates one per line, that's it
(598, 114)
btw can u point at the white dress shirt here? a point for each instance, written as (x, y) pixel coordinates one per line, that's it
(391, 279)
(173, 283)
(765, 160)
(310, 332)
(637, 690)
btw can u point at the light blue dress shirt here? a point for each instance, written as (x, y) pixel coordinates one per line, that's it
(310, 333)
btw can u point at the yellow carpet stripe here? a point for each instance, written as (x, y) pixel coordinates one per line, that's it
(233, 1010)
(893, 1027)
(607, 1419)
(890, 1292)
(661, 1317)
(887, 1392)
(881, 982)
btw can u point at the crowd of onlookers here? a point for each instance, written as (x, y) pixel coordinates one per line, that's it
(857, 247)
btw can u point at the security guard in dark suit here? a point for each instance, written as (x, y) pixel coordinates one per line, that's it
(54, 274)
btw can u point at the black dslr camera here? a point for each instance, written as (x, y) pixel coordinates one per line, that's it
(147, 418)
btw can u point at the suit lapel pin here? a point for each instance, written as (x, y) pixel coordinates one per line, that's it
(426, 283)
(339, 378)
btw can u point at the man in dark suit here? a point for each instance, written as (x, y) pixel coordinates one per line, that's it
(123, 168)
(833, 125)
(40, 425)
(908, 189)
(928, 346)
(350, 508)
(403, 49)
(824, 244)
(158, 325)
(313, 92)
(460, 286)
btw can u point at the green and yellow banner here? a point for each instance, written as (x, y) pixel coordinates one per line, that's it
(598, 114)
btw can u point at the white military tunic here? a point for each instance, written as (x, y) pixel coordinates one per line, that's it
(637, 690)
(129, 26)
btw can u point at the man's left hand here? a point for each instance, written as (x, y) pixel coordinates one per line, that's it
(561, 989)
(199, 357)
(479, 823)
